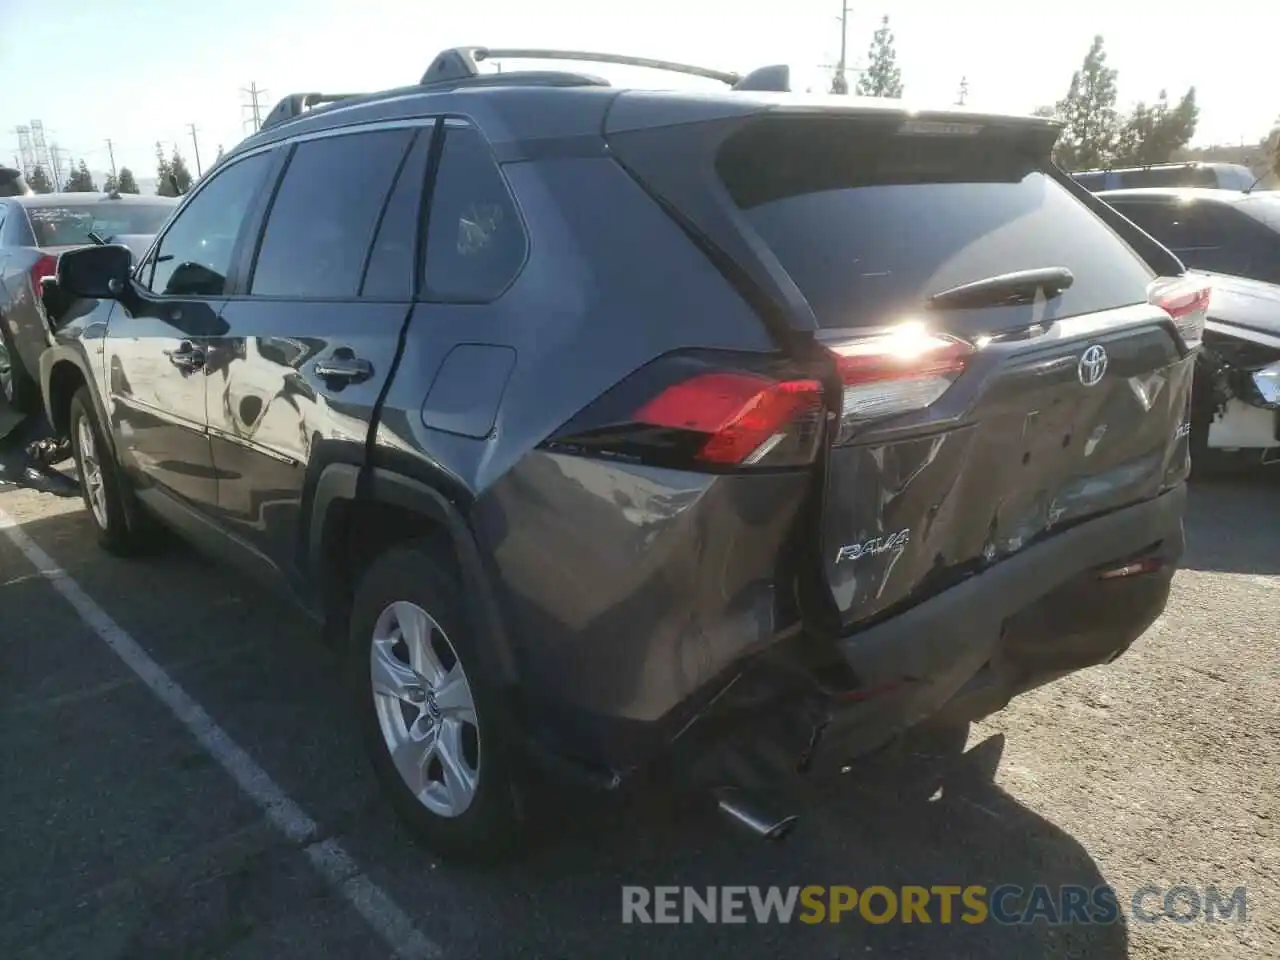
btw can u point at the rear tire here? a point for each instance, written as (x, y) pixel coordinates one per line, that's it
(16, 386)
(420, 691)
(101, 484)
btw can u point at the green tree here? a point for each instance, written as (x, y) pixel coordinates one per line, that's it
(164, 174)
(1152, 134)
(111, 184)
(1088, 113)
(81, 180)
(39, 181)
(178, 168)
(126, 183)
(882, 78)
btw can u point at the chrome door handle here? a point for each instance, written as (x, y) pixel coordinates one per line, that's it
(351, 369)
(186, 357)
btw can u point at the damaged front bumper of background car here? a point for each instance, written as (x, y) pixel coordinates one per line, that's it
(1237, 394)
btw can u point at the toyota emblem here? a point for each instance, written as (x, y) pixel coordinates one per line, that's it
(1092, 365)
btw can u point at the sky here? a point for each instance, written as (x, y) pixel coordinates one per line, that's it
(141, 71)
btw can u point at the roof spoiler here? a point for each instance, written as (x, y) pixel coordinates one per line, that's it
(459, 66)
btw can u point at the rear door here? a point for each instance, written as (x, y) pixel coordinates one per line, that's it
(310, 339)
(968, 426)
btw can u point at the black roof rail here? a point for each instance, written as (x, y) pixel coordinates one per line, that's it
(296, 104)
(460, 64)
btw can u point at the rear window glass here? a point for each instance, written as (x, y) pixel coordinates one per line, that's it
(869, 227)
(72, 223)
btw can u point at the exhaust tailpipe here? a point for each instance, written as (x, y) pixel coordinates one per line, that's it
(747, 812)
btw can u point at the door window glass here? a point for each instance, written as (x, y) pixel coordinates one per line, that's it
(194, 256)
(323, 218)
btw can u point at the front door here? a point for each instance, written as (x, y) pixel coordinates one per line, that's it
(160, 337)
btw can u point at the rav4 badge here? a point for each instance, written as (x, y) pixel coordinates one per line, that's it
(872, 547)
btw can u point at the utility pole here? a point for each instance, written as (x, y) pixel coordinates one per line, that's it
(253, 104)
(111, 151)
(195, 143)
(963, 95)
(56, 153)
(840, 83)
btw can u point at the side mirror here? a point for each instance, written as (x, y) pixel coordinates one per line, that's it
(100, 271)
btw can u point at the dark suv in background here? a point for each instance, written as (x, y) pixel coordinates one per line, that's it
(596, 422)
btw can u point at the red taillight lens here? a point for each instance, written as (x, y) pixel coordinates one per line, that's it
(46, 266)
(896, 372)
(743, 417)
(1187, 302)
(702, 413)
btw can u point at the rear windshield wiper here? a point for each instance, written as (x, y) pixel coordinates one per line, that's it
(1005, 290)
(97, 239)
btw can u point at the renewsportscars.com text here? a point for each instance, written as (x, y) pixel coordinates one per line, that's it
(945, 904)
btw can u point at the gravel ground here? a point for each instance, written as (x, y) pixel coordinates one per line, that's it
(120, 837)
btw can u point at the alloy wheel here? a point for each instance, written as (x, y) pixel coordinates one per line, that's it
(425, 708)
(6, 371)
(91, 472)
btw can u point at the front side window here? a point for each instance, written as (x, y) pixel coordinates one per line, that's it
(193, 258)
(475, 239)
(324, 216)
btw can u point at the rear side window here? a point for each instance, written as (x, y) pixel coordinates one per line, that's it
(1167, 222)
(324, 215)
(476, 242)
(869, 226)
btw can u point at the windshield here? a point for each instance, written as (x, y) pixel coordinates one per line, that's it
(1264, 207)
(70, 224)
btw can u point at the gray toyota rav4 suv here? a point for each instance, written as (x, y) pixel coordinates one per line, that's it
(601, 425)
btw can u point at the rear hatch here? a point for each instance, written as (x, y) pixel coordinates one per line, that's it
(999, 364)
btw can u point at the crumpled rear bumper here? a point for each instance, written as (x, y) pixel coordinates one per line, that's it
(1034, 617)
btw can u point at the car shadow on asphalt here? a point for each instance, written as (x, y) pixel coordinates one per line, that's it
(903, 817)
(1233, 523)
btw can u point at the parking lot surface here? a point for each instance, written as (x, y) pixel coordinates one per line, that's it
(132, 829)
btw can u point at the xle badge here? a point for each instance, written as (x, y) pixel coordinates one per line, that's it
(872, 547)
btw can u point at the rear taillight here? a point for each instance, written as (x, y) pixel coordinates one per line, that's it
(743, 417)
(1187, 302)
(45, 267)
(691, 417)
(893, 373)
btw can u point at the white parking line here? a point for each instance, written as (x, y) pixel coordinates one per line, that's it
(327, 855)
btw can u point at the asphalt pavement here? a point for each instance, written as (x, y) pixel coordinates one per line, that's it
(135, 823)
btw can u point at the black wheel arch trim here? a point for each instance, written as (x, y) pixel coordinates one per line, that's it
(341, 481)
(53, 357)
